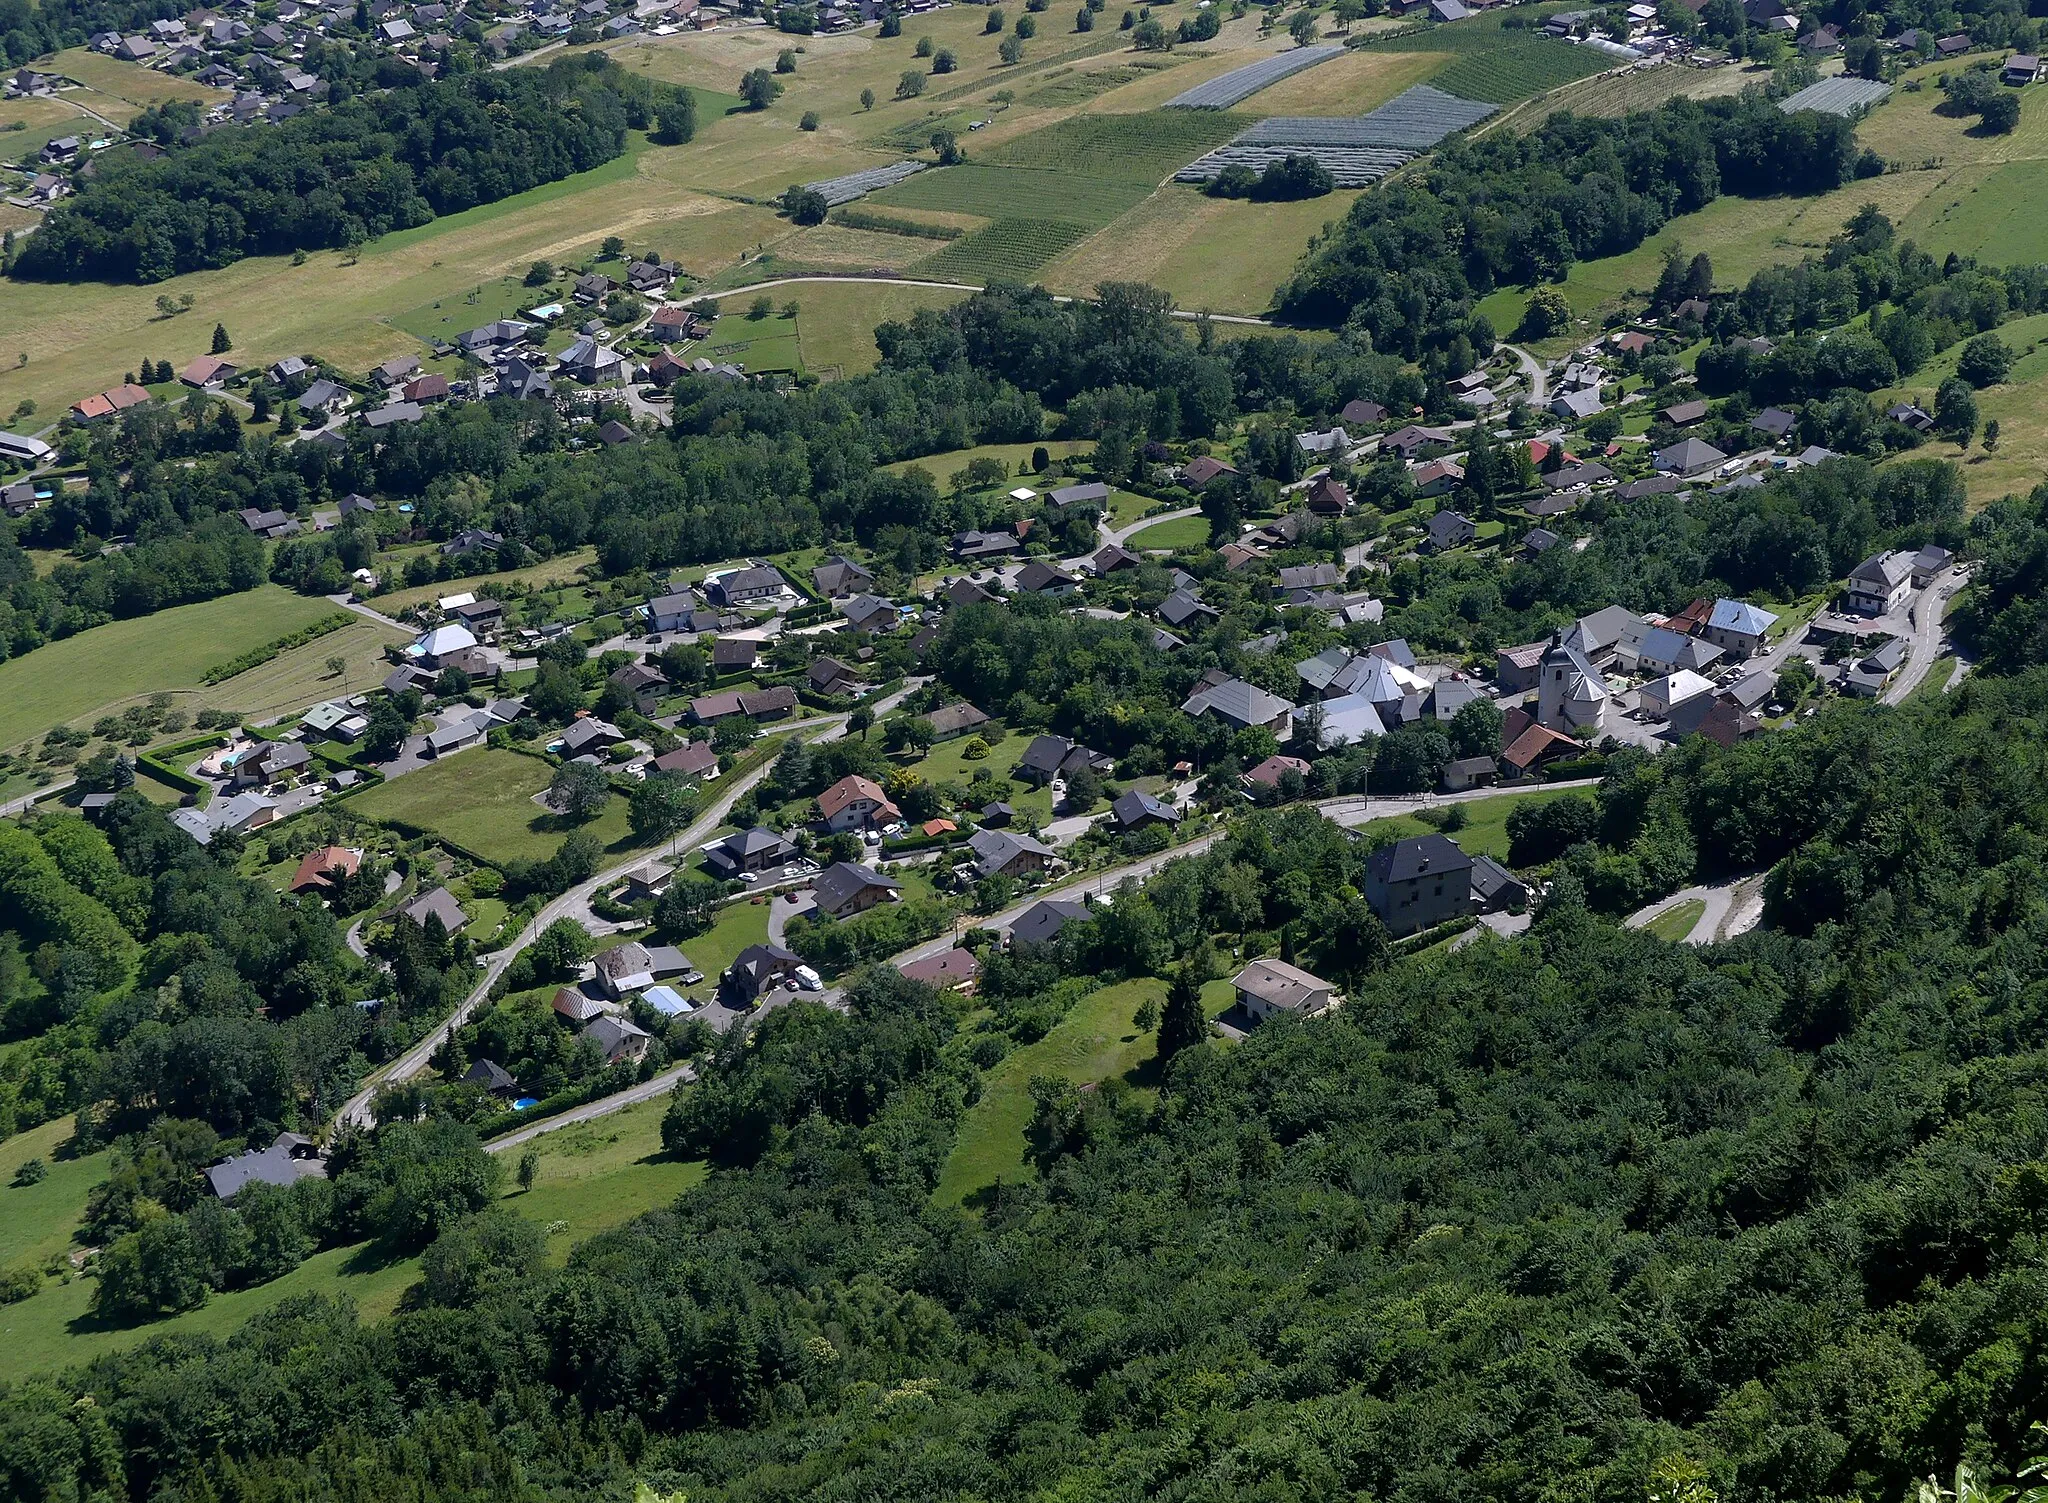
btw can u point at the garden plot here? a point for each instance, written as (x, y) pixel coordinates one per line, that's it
(844, 190)
(1242, 83)
(1349, 166)
(1356, 152)
(1413, 120)
(1837, 96)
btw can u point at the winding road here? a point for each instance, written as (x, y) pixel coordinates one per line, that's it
(356, 1111)
(1924, 645)
(1732, 907)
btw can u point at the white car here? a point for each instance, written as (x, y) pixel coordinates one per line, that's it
(809, 979)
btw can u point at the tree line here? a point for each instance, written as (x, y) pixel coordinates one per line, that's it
(337, 177)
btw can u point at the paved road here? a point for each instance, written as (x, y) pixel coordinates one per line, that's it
(23, 804)
(1732, 907)
(348, 602)
(357, 1111)
(604, 1106)
(1350, 811)
(1532, 373)
(1924, 645)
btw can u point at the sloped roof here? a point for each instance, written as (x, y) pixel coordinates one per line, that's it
(1740, 615)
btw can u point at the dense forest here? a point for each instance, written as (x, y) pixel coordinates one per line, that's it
(340, 176)
(1507, 209)
(1564, 1214)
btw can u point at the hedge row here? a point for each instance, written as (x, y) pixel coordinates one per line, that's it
(256, 657)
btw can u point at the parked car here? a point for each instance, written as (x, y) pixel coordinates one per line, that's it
(809, 979)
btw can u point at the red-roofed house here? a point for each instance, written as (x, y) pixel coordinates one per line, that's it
(855, 801)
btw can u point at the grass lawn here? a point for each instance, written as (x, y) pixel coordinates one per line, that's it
(1673, 926)
(759, 344)
(592, 1177)
(36, 1221)
(947, 763)
(561, 569)
(130, 81)
(28, 125)
(1486, 827)
(835, 327)
(1095, 1041)
(482, 801)
(1016, 456)
(596, 1175)
(108, 667)
(737, 926)
(2019, 403)
(1224, 255)
(1181, 532)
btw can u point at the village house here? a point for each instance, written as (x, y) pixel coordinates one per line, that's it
(1007, 853)
(1880, 584)
(1272, 988)
(756, 850)
(1242, 705)
(855, 802)
(1419, 882)
(845, 888)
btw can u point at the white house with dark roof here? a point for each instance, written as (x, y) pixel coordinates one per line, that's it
(1273, 988)
(1880, 584)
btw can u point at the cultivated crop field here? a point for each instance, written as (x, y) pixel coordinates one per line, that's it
(1143, 148)
(1014, 192)
(1009, 249)
(99, 671)
(130, 81)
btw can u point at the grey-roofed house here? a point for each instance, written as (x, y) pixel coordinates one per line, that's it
(289, 1159)
(1495, 889)
(1775, 421)
(1650, 485)
(633, 967)
(1738, 628)
(1929, 562)
(846, 888)
(1092, 493)
(955, 719)
(1448, 529)
(1041, 578)
(670, 612)
(741, 586)
(1469, 772)
(1666, 651)
(1042, 922)
(437, 904)
(492, 1076)
(588, 735)
(1267, 988)
(1138, 810)
(1418, 883)
(1575, 405)
(830, 676)
(1690, 456)
(1183, 606)
(619, 1040)
(759, 968)
(840, 576)
(1308, 577)
(1685, 414)
(1242, 705)
(1008, 853)
(1879, 585)
(869, 613)
(755, 850)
